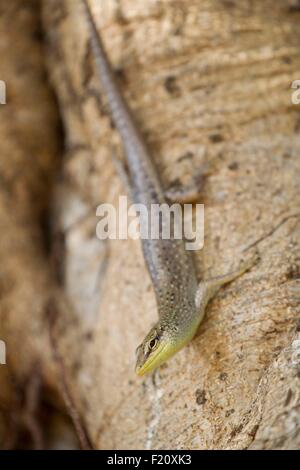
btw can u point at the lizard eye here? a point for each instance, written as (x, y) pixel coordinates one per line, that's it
(153, 343)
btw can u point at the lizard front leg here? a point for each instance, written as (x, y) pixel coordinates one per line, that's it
(207, 289)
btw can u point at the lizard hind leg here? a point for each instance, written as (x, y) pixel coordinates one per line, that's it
(185, 195)
(194, 190)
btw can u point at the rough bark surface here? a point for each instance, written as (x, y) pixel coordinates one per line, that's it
(208, 81)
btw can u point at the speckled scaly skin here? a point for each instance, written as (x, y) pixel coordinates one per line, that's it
(180, 300)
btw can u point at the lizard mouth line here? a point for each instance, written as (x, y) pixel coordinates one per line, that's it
(147, 366)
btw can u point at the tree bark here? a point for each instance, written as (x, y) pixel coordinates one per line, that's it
(208, 82)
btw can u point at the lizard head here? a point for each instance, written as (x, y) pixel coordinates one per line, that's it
(157, 347)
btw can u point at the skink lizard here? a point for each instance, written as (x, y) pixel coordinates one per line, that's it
(181, 301)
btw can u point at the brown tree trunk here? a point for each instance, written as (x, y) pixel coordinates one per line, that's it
(208, 82)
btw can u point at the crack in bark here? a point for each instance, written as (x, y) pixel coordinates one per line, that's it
(272, 231)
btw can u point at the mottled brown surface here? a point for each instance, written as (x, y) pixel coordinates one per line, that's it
(209, 81)
(28, 160)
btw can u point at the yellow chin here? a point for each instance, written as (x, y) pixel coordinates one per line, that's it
(161, 354)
